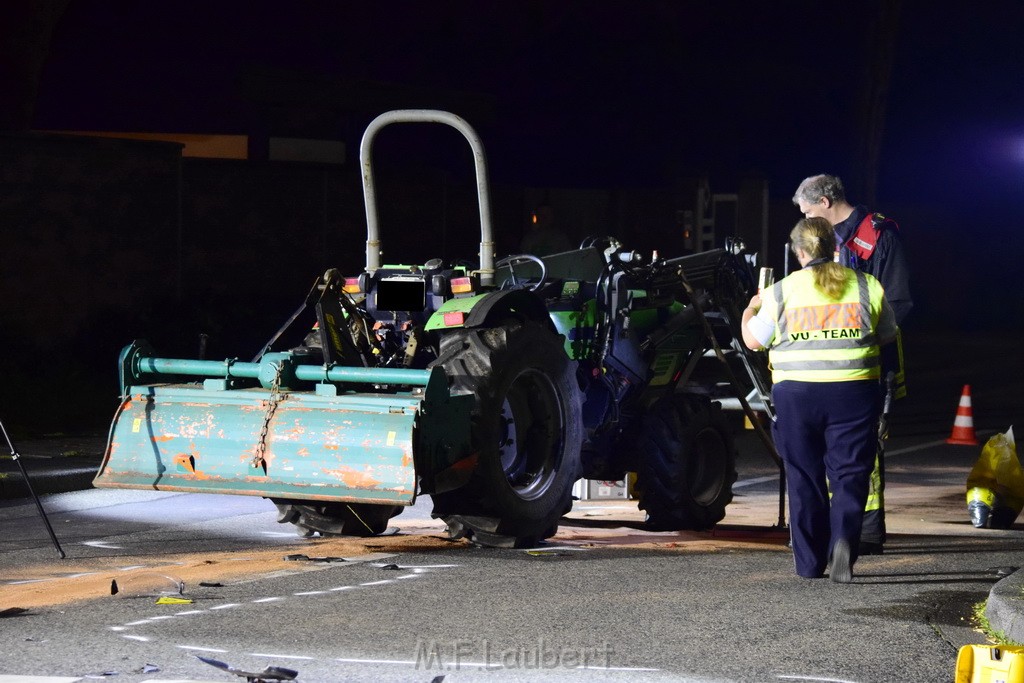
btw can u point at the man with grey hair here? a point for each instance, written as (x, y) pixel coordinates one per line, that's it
(871, 243)
(868, 242)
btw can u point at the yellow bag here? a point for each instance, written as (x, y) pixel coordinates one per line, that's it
(990, 664)
(995, 486)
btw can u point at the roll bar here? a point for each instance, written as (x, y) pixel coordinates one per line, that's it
(373, 244)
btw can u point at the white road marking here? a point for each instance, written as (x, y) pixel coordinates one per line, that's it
(888, 454)
(416, 571)
(200, 649)
(755, 481)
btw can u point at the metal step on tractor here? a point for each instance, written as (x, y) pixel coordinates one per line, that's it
(490, 389)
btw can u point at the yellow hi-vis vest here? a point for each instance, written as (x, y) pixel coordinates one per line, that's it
(818, 339)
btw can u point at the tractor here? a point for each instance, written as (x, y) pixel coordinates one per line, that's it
(491, 387)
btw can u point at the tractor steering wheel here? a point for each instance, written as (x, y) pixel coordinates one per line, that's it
(511, 261)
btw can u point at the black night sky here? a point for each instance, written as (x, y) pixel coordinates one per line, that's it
(589, 93)
(609, 93)
(605, 94)
(593, 94)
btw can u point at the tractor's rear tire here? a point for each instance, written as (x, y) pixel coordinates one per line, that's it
(687, 464)
(335, 519)
(527, 432)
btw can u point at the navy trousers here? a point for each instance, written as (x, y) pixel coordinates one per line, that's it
(826, 429)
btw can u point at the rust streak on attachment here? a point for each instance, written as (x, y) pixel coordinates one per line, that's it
(185, 460)
(406, 459)
(188, 461)
(163, 437)
(354, 479)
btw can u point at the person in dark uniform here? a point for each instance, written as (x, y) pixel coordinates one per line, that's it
(871, 243)
(824, 326)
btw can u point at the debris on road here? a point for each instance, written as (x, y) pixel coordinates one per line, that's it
(268, 675)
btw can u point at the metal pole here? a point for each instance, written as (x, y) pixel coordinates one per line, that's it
(373, 243)
(39, 505)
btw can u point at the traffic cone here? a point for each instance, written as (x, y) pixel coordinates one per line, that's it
(963, 425)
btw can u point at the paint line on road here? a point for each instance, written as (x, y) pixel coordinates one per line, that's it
(310, 593)
(888, 454)
(273, 599)
(277, 656)
(142, 639)
(755, 481)
(197, 648)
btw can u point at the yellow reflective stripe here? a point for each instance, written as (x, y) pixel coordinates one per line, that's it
(813, 339)
(900, 390)
(875, 495)
(981, 495)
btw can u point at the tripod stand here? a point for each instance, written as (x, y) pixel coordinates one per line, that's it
(28, 483)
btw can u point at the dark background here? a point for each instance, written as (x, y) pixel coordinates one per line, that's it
(918, 107)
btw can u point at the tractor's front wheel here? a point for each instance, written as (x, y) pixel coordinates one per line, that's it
(686, 465)
(527, 431)
(335, 519)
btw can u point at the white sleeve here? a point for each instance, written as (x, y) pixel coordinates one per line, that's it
(762, 326)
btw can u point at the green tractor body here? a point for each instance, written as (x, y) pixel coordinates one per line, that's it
(491, 390)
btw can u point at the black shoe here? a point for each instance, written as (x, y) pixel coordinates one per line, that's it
(870, 548)
(841, 571)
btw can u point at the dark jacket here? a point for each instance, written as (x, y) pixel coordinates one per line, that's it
(888, 261)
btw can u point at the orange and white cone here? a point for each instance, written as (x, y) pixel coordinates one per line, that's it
(963, 425)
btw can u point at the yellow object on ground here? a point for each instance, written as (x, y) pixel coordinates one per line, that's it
(990, 664)
(167, 600)
(995, 486)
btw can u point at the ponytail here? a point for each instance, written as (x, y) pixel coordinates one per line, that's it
(818, 239)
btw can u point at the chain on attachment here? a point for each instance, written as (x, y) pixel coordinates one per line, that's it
(259, 460)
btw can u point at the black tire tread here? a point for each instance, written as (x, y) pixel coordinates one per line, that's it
(669, 452)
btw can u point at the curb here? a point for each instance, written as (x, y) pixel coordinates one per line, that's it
(1005, 607)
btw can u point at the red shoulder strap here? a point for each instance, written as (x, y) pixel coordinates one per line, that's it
(865, 238)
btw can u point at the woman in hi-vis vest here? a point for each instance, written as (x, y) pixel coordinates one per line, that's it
(823, 326)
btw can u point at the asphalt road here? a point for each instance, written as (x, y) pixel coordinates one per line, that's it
(605, 601)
